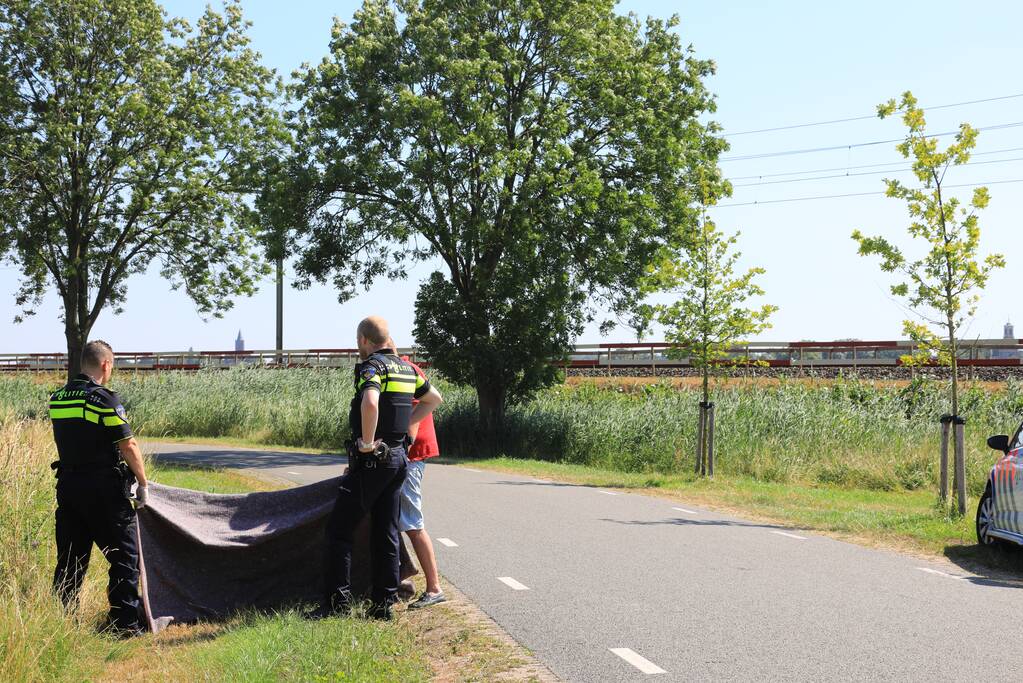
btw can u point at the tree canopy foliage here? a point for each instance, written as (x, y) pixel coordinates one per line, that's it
(543, 152)
(128, 138)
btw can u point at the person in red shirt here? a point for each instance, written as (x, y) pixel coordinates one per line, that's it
(410, 518)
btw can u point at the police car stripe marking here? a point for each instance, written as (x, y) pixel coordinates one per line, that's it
(782, 533)
(641, 663)
(448, 542)
(688, 512)
(512, 583)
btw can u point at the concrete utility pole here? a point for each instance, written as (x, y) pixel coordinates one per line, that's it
(280, 308)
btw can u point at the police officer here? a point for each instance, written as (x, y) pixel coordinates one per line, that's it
(99, 462)
(380, 416)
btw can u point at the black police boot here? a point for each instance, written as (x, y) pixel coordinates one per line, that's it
(380, 612)
(338, 604)
(121, 631)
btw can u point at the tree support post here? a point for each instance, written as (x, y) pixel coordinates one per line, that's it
(959, 425)
(946, 421)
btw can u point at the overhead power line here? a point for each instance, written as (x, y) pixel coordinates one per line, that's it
(851, 168)
(864, 118)
(832, 148)
(853, 194)
(862, 173)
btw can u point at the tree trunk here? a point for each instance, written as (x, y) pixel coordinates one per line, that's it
(76, 337)
(492, 397)
(700, 422)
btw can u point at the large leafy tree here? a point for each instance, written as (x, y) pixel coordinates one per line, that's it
(126, 138)
(541, 151)
(942, 281)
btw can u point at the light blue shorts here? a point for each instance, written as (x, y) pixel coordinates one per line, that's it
(411, 515)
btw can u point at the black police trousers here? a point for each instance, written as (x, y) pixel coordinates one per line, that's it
(374, 490)
(92, 508)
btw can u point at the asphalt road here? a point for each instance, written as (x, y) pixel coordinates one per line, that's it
(604, 585)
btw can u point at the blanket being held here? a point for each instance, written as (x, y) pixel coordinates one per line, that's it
(205, 555)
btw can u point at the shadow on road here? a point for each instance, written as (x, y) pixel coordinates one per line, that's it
(1000, 565)
(686, 521)
(508, 482)
(236, 459)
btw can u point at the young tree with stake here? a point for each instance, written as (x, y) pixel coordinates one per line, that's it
(710, 315)
(941, 286)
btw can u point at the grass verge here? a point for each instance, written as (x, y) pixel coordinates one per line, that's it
(38, 642)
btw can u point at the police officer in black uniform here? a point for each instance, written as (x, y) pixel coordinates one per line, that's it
(99, 462)
(380, 416)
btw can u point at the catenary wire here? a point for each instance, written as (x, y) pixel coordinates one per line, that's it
(853, 194)
(863, 173)
(852, 168)
(791, 152)
(865, 117)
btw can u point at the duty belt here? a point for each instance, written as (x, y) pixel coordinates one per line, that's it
(81, 467)
(381, 455)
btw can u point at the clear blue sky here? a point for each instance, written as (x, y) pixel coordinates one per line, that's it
(778, 63)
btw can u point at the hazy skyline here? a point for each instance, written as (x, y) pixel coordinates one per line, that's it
(778, 64)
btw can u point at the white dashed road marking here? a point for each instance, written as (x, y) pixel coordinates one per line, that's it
(290, 472)
(512, 583)
(469, 469)
(641, 663)
(782, 533)
(448, 542)
(688, 512)
(607, 493)
(947, 576)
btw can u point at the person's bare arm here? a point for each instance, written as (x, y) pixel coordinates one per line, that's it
(132, 455)
(370, 413)
(428, 402)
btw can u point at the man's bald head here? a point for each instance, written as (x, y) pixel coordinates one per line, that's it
(374, 330)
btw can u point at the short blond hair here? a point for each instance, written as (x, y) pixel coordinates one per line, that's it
(95, 352)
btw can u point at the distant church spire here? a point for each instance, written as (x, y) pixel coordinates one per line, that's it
(239, 343)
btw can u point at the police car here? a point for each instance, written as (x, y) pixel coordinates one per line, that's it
(1000, 512)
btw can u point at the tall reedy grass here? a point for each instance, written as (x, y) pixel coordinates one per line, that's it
(846, 433)
(38, 642)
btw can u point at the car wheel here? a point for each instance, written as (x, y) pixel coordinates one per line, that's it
(985, 518)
